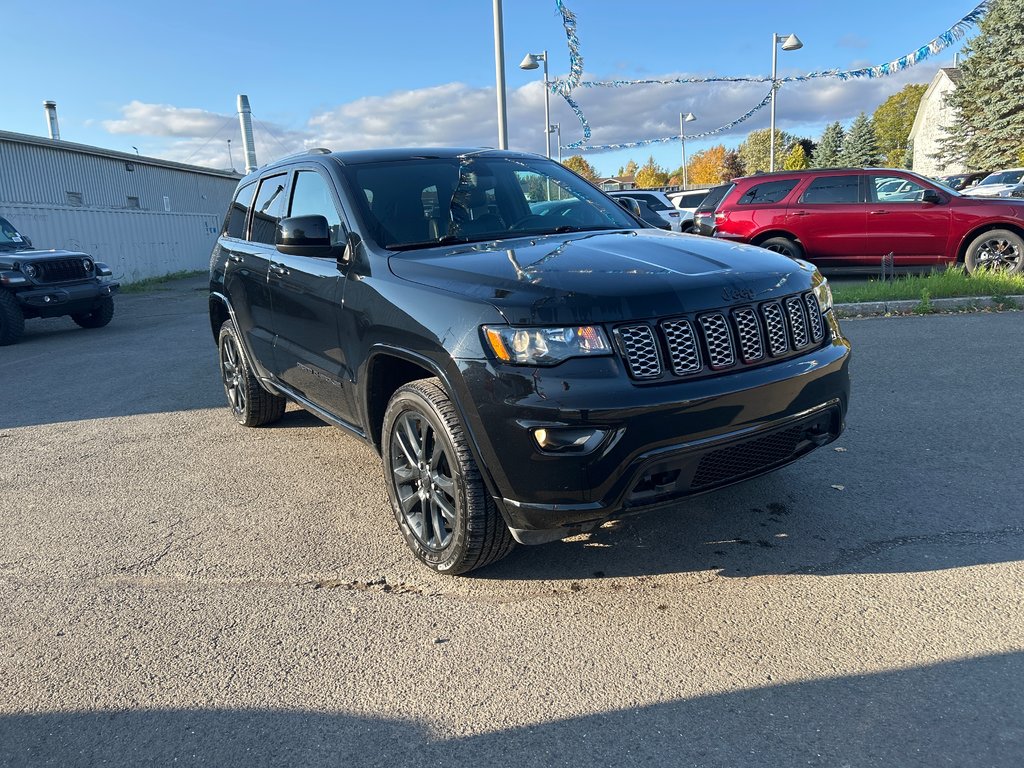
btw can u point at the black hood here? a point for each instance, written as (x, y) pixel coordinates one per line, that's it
(605, 277)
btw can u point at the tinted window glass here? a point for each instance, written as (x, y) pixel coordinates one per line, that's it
(234, 222)
(714, 197)
(691, 199)
(311, 196)
(895, 189)
(833, 189)
(767, 192)
(651, 200)
(268, 209)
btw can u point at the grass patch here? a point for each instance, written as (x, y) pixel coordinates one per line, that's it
(952, 283)
(154, 283)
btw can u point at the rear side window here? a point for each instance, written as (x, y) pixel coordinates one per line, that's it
(234, 222)
(651, 200)
(714, 197)
(767, 192)
(833, 189)
(268, 209)
(691, 199)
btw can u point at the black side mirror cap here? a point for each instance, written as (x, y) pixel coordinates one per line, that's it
(630, 204)
(931, 196)
(304, 236)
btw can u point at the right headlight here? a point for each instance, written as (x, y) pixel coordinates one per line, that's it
(545, 346)
(822, 292)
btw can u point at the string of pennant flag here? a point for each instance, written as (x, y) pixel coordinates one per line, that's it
(565, 86)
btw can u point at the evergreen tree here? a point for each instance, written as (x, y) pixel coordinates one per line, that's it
(826, 155)
(732, 166)
(988, 102)
(860, 148)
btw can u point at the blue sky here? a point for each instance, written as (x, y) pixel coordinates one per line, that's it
(163, 77)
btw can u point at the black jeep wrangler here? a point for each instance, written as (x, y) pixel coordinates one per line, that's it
(527, 357)
(37, 283)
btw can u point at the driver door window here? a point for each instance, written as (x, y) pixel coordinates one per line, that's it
(311, 196)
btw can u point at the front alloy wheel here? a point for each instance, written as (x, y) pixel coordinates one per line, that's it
(998, 250)
(437, 494)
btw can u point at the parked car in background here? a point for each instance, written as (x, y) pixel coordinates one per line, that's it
(1008, 183)
(687, 203)
(37, 283)
(851, 218)
(963, 181)
(658, 202)
(704, 214)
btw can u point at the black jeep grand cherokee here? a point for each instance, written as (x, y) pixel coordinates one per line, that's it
(527, 357)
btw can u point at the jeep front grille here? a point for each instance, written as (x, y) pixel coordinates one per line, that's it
(710, 342)
(60, 270)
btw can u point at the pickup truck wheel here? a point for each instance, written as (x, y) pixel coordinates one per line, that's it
(783, 245)
(250, 403)
(12, 319)
(438, 497)
(98, 317)
(997, 250)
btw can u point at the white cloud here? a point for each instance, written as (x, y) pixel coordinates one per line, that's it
(455, 114)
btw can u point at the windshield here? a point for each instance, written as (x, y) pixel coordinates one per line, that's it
(425, 201)
(1003, 177)
(9, 236)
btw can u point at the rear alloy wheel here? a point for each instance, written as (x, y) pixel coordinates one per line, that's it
(443, 509)
(783, 245)
(998, 250)
(12, 319)
(98, 317)
(250, 403)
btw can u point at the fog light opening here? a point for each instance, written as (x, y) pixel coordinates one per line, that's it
(568, 440)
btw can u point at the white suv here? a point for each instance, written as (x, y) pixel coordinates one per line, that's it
(657, 201)
(1008, 183)
(687, 203)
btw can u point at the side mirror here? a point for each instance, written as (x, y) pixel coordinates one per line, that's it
(304, 236)
(630, 205)
(931, 196)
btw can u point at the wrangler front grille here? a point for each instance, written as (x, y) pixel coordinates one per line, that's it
(60, 270)
(709, 342)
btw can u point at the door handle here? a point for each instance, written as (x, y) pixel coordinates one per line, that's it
(878, 213)
(279, 269)
(801, 213)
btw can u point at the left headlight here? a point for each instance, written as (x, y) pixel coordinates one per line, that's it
(823, 293)
(545, 346)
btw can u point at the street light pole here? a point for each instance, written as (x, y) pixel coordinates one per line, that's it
(530, 62)
(557, 128)
(791, 43)
(683, 119)
(499, 75)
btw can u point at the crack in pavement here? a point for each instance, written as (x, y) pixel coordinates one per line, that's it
(858, 554)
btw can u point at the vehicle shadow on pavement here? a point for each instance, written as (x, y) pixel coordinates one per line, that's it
(964, 712)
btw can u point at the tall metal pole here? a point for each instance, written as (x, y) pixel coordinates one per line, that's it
(547, 107)
(558, 134)
(771, 137)
(499, 75)
(682, 141)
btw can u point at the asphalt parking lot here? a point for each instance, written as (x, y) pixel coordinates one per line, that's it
(177, 589)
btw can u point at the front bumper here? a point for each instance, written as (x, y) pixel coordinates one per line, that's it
(66, 299)
(664, 442)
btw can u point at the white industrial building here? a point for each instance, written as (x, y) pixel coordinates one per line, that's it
(142, 216)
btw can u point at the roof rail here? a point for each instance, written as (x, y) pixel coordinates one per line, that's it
(303, 153)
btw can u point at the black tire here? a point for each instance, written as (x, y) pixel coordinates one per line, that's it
(250, 403)
(998, 250)
(688, 229)
(12, 319)
(98, 317)
(783, 245)
(443, 509)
